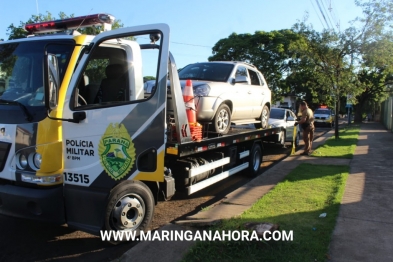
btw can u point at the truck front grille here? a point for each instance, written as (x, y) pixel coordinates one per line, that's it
(4, 150)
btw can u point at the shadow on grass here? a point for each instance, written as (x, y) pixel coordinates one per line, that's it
(295, 204)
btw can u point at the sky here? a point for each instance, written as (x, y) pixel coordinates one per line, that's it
(196, 26)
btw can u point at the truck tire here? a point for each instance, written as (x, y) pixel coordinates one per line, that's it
(264, 118)
(255, 160)
(130, 208)
(222, 119)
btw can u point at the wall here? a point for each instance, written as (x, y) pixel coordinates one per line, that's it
(386, 113)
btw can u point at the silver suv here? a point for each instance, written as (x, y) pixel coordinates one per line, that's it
(227, 92)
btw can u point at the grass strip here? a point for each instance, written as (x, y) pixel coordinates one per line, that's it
(294, 204)
(343, 147)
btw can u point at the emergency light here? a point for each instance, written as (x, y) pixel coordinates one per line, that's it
(70, 23)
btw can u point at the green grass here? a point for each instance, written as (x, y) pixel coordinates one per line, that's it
(294, 204)
(206, 208)
(344, 147)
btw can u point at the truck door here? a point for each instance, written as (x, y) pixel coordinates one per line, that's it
(122, 136)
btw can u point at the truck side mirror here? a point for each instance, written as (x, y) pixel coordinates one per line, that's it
(52, 81)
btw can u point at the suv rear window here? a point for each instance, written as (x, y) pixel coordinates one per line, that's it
(254, 78)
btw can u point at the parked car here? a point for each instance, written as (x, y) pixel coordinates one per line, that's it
(281, 117)
(323, 117)
(227, 92)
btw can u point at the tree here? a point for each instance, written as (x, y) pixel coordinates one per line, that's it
(340, 58)
(376, 56)
(376, 84)
(19, 32)
(147, 78)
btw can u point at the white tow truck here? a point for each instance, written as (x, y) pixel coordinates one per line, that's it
(82, 143)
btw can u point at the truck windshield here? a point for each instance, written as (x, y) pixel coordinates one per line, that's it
(21, 69)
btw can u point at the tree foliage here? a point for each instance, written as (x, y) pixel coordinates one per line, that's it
(357, 61)
(328, 63)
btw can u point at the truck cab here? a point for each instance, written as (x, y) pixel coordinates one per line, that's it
(66, 108)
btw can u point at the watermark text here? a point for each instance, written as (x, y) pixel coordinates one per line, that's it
(188, 235)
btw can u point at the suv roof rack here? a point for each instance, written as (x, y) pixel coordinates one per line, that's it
(237, 62)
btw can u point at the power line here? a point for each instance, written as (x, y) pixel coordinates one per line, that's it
(328, 17)
(317, 13)
(322, 13)
(333, 14)
(179, 43)
(191, 44)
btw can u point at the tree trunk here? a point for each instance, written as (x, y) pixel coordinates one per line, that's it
(362, 99)
(358, 113)
(337, 109)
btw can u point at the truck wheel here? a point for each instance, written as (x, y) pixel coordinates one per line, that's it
(222, 119)
(264, 118)
(130, 208)
(255, 160)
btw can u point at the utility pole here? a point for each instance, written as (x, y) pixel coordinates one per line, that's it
(349, 106)
(337, 108)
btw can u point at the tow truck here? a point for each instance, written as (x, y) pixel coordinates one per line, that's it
(82, 144)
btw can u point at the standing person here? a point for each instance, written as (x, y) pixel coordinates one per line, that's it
(307, 124)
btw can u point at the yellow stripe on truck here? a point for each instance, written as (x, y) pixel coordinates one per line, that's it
(158, 175)
(49, 132)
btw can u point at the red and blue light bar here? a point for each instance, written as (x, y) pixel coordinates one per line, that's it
(70, 23)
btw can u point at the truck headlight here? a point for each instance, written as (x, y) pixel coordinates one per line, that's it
(21, 161)
(35, 161)
(28, 161)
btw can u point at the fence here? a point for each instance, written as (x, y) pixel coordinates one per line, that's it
(387, 113)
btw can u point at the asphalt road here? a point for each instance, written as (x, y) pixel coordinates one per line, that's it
(24, 240)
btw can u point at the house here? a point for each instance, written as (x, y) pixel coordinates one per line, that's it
(288, 101)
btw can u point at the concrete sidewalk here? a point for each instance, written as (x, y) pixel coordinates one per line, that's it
(364, 229)
(357, 235)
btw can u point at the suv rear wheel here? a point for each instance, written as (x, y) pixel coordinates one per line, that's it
(264, 118)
